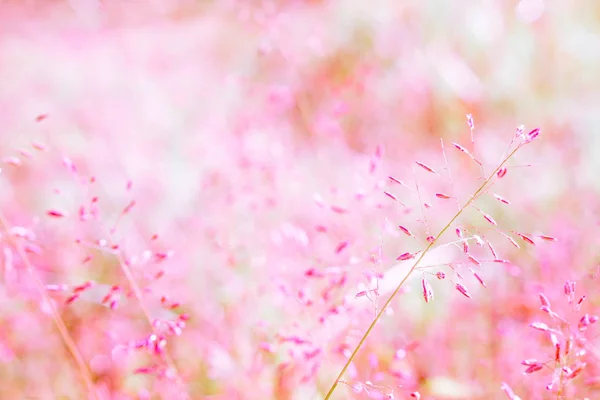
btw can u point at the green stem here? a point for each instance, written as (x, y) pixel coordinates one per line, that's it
(389, 300)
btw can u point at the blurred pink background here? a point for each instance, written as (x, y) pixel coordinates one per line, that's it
(239, 124)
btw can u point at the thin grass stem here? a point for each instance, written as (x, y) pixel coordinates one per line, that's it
(395, 292)
(58, 321)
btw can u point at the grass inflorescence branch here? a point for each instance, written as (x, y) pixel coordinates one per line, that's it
(431, 244)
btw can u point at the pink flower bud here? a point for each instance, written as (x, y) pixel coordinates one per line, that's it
(341, 247)
(461, 288)
(405, 256)
(501, 199)
(569, 289)
(391, 196)
(489, 219)
(13, 161)
(55, 214)
(529, 137)
(470, 121)
(576, 370)
(534, 368)
(405, 230)
(72, 298)
(554, 340)
(478, 240)
(391, 178)
(478, 277)
(427, 290)
(584, 322)
(339, 209)
(425, 167)
(474, 260)
(525, 238)
(544, 300)
(129, 206)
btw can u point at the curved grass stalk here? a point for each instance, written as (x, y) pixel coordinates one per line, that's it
(137, 291)
(58, 321)
(479, 191)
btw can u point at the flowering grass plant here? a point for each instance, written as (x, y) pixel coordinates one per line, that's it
(284, 200)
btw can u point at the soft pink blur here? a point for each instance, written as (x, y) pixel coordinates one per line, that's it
(202, 191)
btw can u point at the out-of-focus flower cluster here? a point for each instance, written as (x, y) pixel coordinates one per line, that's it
(213, 200)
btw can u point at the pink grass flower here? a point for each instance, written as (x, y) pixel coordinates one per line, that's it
(391, 178)
(533, 368)
(544, 300)
(525, 238)
(501, 199)
(427, 290)
(405, 256)
(69, 165)
(12, 161)
(405, 230)
(426, 168)
(478, 277)
(474, 260)
(462, 289)
(55, 214)
(339, 210)
(511, 240)
(470, 121)
(391, 196)
(38, 146)
(488, 217)
(464, 150)
(530, 137)
(25, 153)
(576, 370)
(340, 247)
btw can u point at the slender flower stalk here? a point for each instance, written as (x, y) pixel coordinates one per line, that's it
(137, 291)
(58, 321)
(479, 191)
